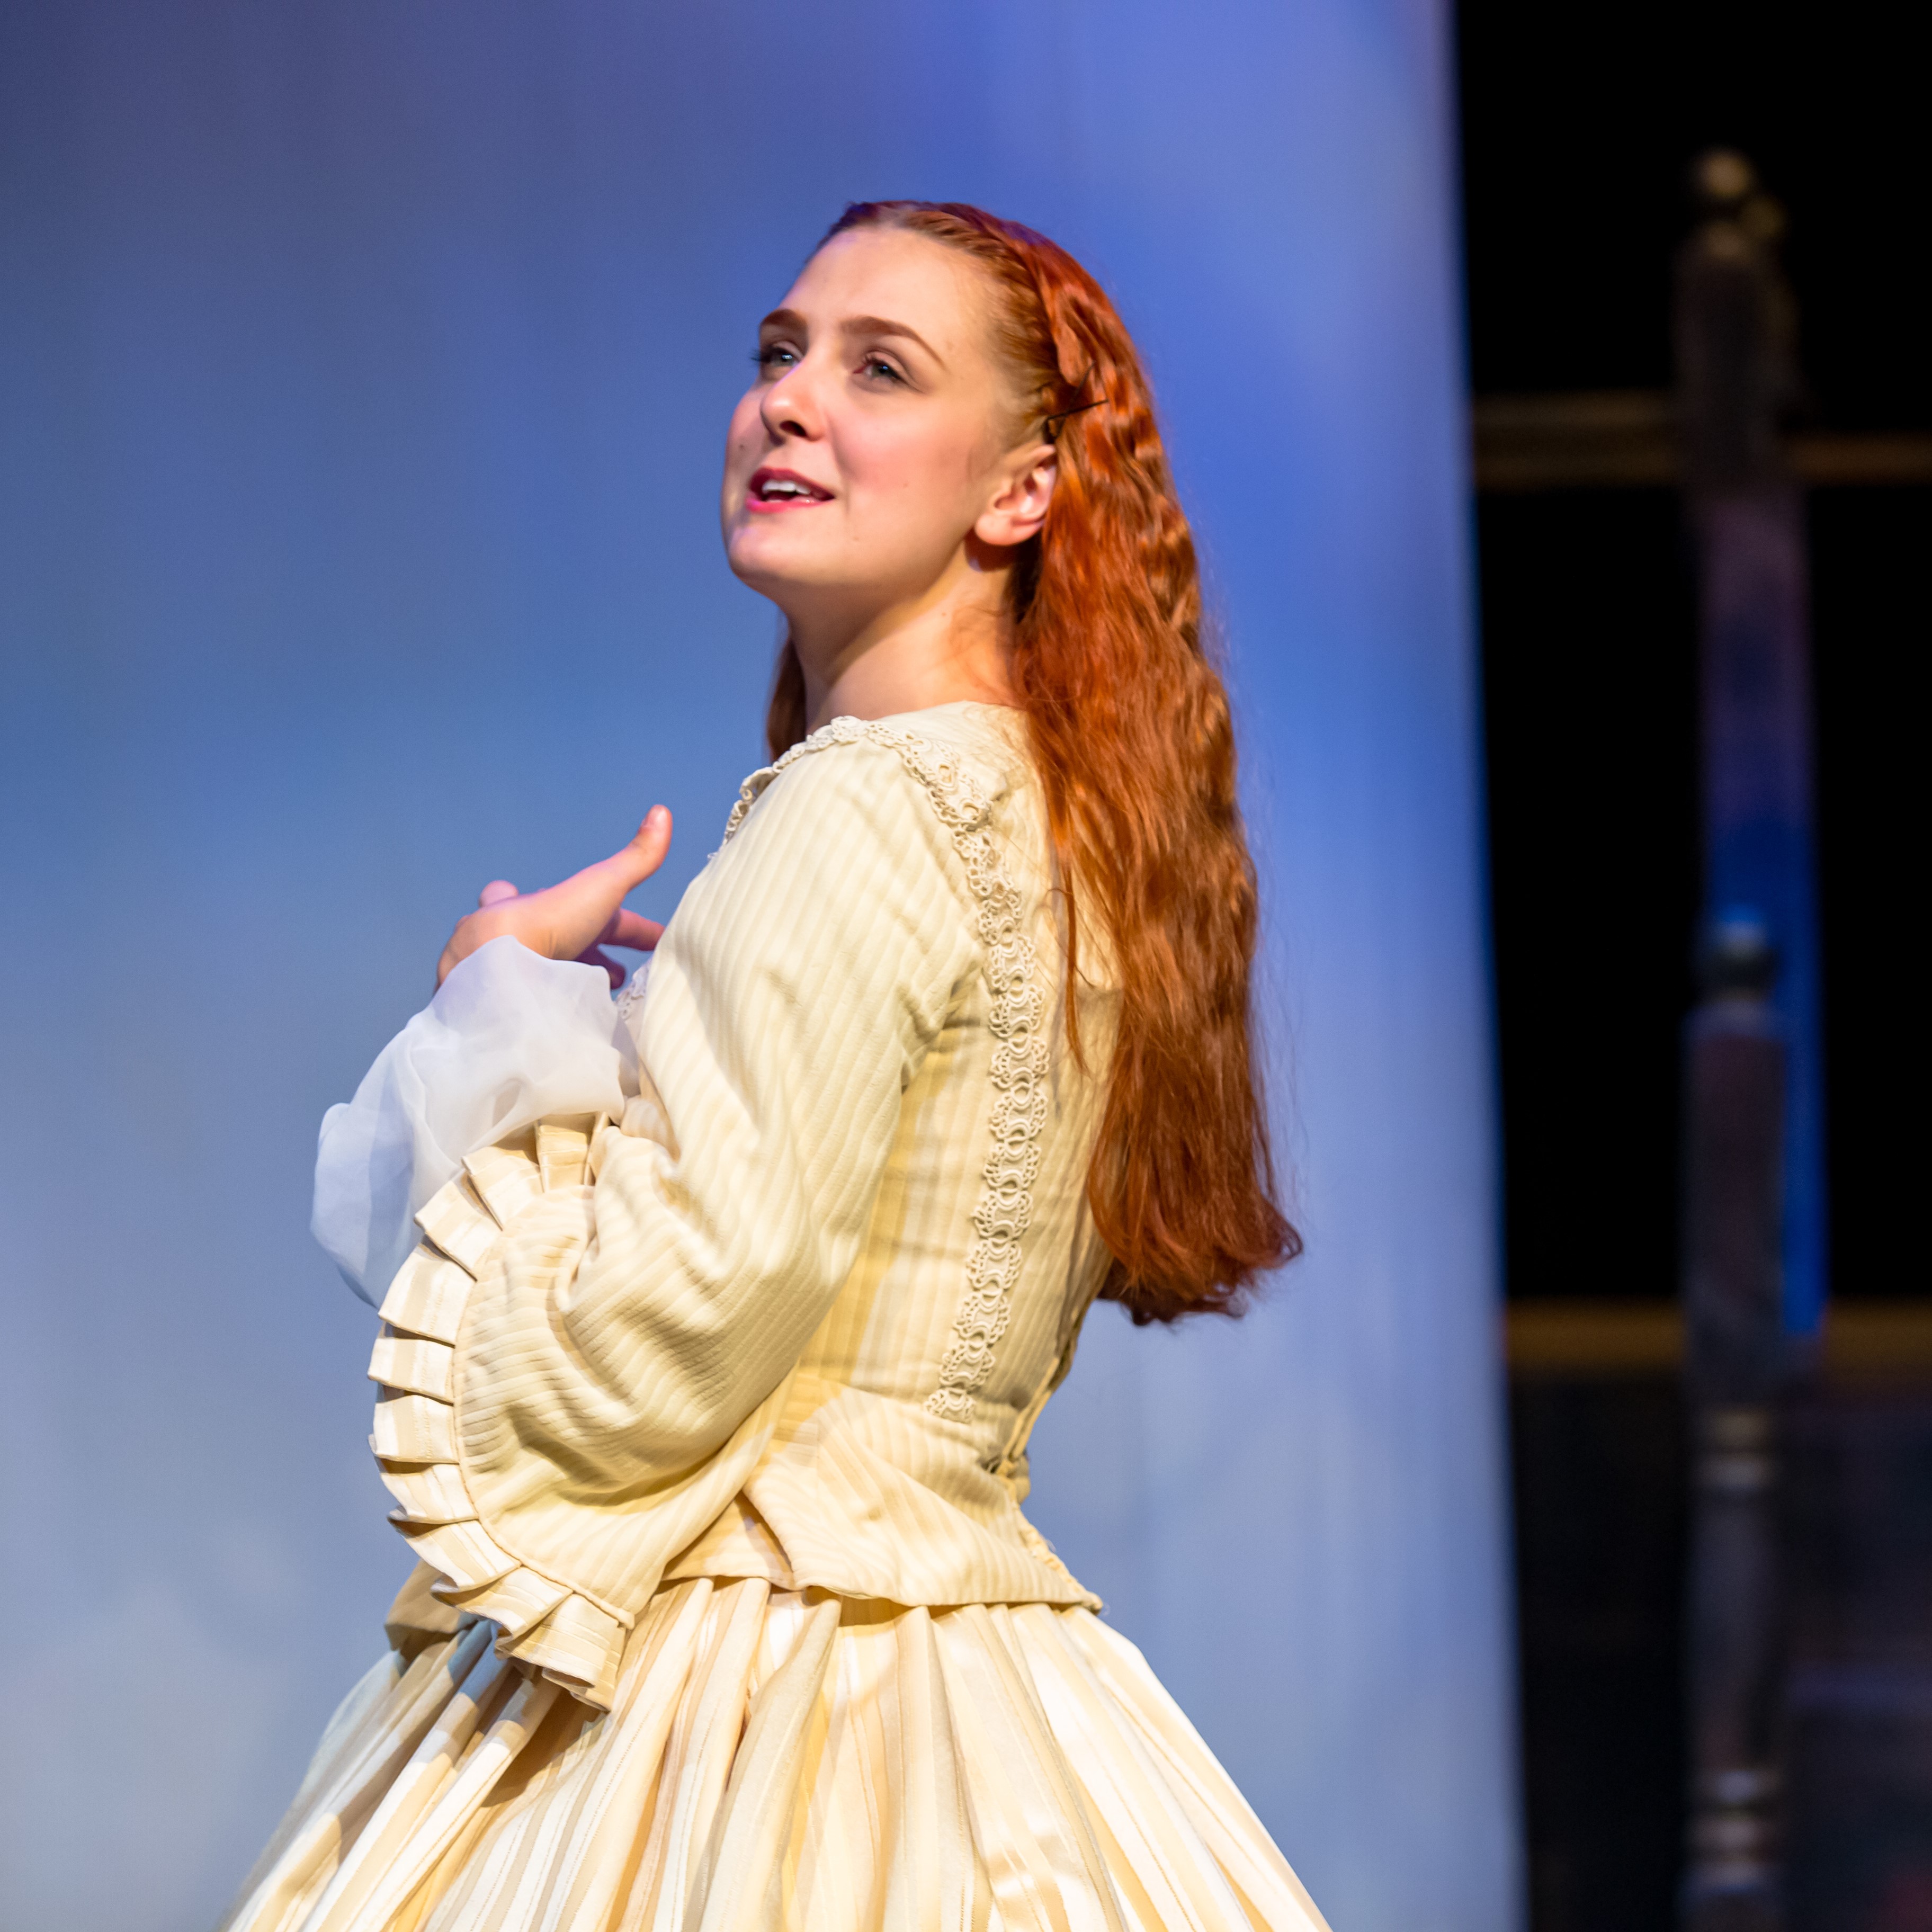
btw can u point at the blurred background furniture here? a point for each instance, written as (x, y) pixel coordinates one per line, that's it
(1582, 210)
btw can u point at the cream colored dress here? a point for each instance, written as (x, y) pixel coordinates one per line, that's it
(705, 1409)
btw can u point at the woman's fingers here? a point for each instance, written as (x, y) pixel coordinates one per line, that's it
(569, 921)
(582, 907)
(596, 955)
(631, 931)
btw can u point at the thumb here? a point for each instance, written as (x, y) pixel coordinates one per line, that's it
(648, 844)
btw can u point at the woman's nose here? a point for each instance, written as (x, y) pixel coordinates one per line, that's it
(790, 406)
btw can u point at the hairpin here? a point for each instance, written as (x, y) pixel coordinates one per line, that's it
(1050, 429)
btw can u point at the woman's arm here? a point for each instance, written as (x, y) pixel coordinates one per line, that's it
(578, 1391)
(805, 976)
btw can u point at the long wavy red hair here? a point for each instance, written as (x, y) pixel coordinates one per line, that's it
(1130, 730)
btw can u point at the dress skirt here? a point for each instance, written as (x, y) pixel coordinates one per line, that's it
(776, 1760)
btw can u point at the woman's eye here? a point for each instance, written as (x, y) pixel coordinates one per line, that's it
(775, 357)
(878, 369)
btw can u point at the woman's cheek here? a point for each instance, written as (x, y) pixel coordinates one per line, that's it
(741, 438)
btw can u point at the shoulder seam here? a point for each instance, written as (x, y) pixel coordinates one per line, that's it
(955, 790)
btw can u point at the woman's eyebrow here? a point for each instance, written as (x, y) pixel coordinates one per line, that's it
(878, 324)
(783, 318)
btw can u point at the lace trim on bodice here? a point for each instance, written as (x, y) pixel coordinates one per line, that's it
(630, 1002)
(1016, 1016)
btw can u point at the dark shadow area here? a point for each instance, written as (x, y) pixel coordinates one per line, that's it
(1588, 642)
(1588, 620)
(1600, 1481)
(1872, 632)
(1599, 1490)
(1861, 1684)
(1578, 126)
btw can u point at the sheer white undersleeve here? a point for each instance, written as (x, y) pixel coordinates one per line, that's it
(510, 1037)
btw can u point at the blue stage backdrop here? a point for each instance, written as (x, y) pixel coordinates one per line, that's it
(366, 368)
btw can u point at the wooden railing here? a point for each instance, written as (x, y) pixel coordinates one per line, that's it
(1629, 439)
(1864, 1342)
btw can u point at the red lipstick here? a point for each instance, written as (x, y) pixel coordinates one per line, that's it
(771, 489)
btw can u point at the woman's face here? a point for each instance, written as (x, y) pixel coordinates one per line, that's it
(879, 436)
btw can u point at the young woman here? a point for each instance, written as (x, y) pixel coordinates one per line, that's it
(713, 1336)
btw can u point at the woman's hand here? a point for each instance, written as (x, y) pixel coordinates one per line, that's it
(575, 920)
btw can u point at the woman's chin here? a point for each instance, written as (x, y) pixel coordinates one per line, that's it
(771, 561)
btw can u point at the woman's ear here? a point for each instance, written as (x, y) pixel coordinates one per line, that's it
(1019, 509)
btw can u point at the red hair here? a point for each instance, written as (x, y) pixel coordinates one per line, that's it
(1130, 730)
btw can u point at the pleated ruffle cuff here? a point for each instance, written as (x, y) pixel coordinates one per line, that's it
(549, 1627)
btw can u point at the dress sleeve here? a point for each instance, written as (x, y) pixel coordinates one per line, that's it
(624, 1345)
(509, 1037)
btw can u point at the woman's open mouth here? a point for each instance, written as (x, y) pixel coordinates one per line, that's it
(771, 489)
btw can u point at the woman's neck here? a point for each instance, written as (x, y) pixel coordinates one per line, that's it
(951, 647)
